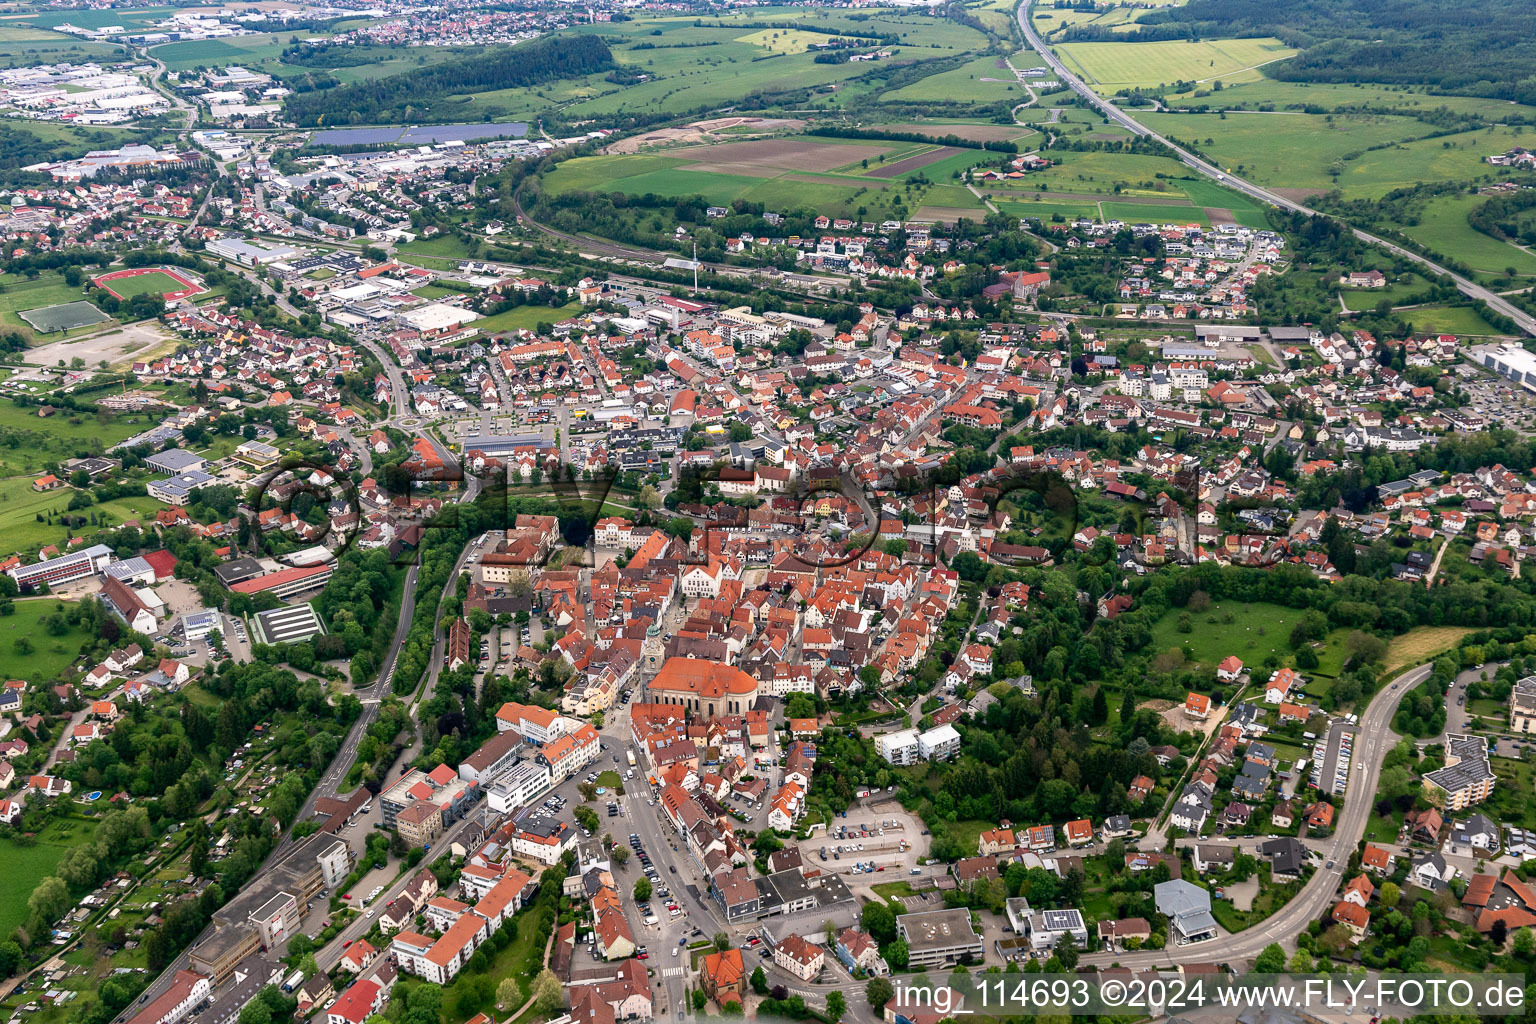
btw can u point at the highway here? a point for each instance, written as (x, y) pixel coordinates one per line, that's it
(1471, 289)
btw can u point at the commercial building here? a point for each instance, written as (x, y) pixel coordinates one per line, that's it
(1510, 361)
(265, 911)
(938, 937)
(247, 253)
(519, 787)
(545, 843)
(442, 788)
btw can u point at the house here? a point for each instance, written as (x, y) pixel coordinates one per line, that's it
(1477, 835)
(1188, 909)
(723, 976)
(1230, 669)
(1287, 857)
(858, 951)
(801, 958)
(1320, 816)
(1353, 917)
(1424, 826)
(1210, 857)
(1430, 871)
(1118, 935)
(1377, 858)
(1359, 891)
(1197, 706)
(995, 841)
(1079, 833)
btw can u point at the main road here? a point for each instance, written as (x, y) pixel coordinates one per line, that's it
(1471, 289)
(1319, 892)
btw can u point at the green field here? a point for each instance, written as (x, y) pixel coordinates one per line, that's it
(527, 317)
(46, 290)
(22, 533)
(1256, 631)
(155, 283)
(1443, 227)
(50, 654)
(981, 80)
(1448, 320)
(29, 864)
(62, 435)
(1116, 66)
(1364, 155)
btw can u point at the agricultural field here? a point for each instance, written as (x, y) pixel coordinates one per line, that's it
(1115, 66)
(1364, 155)
(835, 175)
(984, 80)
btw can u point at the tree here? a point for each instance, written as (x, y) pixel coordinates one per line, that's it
(1524, 945)
(1301, 962)
(1271, 960)
(759, 980)
(836, 1005)
(508, 994)
(700, 1000)
(547, 994)
(879, 921)
(1390, 894)
(649, 498)
(722, 941)
(256, 1012)
(642, 890)
(896, 954)
(878, 992)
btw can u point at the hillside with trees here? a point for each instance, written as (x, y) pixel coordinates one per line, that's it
(442, 92)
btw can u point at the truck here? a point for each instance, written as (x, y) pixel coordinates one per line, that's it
(294, 981)
(630, 753)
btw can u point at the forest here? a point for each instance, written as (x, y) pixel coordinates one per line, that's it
(439, 91)
(1483, 50)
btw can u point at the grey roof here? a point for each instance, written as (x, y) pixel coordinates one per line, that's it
(175, 460)
(128, 567)
(1177, 897)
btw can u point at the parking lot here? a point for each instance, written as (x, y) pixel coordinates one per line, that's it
(875, 837)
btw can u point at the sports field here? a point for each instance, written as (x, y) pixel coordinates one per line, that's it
(1129, 65)
(169, 285)
(65, 317)
(45, 290)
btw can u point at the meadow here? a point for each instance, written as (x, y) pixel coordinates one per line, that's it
(1363, 155)
(1443, 227)
(985, 80)
(1255, 631)
(1114, 66)
(50, 654)
(26, 865)
(27, 441)
(833, 175)
(527, 317)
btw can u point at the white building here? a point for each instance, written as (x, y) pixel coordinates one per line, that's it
(939, 743)
(898, 748)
